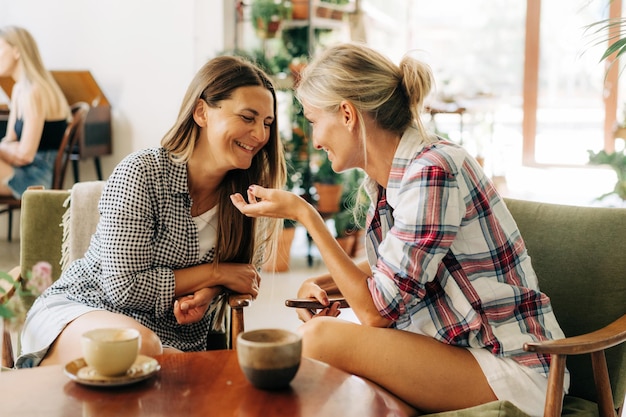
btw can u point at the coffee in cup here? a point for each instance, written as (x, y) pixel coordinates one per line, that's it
(269, 358)
(111, 351)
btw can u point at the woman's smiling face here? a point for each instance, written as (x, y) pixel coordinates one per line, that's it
(238, 127)
(332, 133)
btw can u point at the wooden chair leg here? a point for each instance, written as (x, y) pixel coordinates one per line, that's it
(603, 384)
(237, 303)
(554, 397)
(7, 349)
(10, 228)
(237, 326)
(96, 162)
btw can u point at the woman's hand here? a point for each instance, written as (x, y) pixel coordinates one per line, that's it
(241, 278)
(310, 289)
(191, 308)
(270, 202)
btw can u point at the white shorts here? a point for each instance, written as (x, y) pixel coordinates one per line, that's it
(518, 384)
(45, 321)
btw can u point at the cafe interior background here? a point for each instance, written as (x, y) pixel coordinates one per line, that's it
(519, 83)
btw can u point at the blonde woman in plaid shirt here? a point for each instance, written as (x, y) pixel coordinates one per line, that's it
(447, 296)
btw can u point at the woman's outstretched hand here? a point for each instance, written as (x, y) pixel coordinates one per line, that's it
(270, 202)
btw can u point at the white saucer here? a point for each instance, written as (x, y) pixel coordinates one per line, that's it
(143, 368)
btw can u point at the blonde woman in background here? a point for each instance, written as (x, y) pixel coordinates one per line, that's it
(447, 296)
(39, 114)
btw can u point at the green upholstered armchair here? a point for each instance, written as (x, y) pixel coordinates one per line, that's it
(44, 238)
(579, 255)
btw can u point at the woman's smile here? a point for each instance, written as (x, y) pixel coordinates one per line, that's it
(244, 146)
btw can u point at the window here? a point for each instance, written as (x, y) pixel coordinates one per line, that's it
(532, 84)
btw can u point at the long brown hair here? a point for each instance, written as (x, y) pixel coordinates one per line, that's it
(239, 237)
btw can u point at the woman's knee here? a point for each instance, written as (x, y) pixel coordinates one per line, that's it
(319, 335)
(150, 342)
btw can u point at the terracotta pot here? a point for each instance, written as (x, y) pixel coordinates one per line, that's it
(336, 15)
(280, 261)
(267, 31)
(324, 12)
(329, 197)
(299, 9)
(358, 249)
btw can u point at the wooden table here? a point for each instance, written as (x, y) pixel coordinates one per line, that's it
(197, 384)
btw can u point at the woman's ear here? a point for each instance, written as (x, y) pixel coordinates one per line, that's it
(199, 113)
(348, 114)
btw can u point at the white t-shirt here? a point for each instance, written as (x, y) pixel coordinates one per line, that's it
(207, 230)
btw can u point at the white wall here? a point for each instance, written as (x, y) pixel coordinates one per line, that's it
(142, 53)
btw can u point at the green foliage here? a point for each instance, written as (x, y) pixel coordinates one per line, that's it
(297, 149)
(617, 161)
(354, 204)
(5, 311)
(11, 307)
(16, 297)
(266, 11)
(274, 65)
(296, 41)
(325, 173)
(601, 32)
(609, 30)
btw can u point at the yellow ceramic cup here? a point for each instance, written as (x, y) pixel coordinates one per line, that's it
(111, 351)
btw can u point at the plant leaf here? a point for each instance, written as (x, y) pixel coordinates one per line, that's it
(619, 47)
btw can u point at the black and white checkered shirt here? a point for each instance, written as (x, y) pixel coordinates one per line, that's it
(145, 232)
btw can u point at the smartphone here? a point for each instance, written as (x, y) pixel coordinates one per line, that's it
(312, 303)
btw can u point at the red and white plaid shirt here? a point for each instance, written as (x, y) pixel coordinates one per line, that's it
(449, 261)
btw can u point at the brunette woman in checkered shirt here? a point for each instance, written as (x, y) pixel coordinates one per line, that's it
(169, 243)
(447, 296)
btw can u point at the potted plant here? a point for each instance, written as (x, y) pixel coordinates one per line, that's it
(332, 9)
(300, 9)
(603, 31)
(267, 16)
(328, 185)
(16, 297)
(344, 227)
(617, 161)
